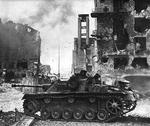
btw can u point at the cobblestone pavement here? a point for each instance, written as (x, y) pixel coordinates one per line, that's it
(59, 123)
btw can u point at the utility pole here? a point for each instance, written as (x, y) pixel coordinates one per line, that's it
(59, 61)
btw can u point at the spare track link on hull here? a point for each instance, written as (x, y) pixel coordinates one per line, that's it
(96, 112)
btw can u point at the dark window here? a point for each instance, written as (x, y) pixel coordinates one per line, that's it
(102, 1)
(141, 5)
(106, 9)
(104, 59)
(140, 63)
(141, 24)
(120, 62)
(140, 43)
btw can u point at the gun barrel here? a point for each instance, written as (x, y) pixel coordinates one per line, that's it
(39, 86)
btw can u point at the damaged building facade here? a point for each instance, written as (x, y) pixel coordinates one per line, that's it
(20, 50)
(82, 53)
(121, 40)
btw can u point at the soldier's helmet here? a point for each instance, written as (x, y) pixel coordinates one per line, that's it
(83, 72)
(96, 76)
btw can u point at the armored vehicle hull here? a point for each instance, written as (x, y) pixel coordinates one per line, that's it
(81, 98)
(105, 104)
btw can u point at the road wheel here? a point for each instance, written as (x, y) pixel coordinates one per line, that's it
(30, 107)
(47, 100)
(92, 100)
(55, 114)
(45, 114)
(71, 100)
(66, 114)
(114, 106)
(102, 115)
(89, 115)
(77, 114)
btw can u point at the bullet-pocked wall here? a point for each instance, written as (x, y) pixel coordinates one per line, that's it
(105, 34)
(120, 35)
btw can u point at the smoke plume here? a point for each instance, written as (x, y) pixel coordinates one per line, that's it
(55, 19)
(53, 13)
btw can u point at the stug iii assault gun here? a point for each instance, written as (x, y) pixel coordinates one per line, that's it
(81, 98)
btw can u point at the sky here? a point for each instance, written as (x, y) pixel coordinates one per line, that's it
(57, 22)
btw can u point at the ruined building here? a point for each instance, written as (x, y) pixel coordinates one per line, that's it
(121, 41)
(20, 50)
(82, 53)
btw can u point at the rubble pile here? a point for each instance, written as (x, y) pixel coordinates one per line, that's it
(9, 118)
(10, 100)
(2, 90)
(10, 105)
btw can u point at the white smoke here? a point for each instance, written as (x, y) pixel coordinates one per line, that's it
(142, 108)
(52, 12)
